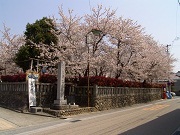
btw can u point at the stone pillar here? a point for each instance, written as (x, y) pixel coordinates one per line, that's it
(60, 101)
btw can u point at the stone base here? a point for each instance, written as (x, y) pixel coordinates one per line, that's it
(69, 112)
(36, 109)
(64, 107)
(60, 102)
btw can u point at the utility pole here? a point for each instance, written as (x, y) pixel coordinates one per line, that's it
(167, 48)
(168, 83)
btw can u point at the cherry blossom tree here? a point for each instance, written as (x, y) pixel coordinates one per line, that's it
(69, 41)
(156, 61)
(126, 39)
(73, 46)
(9, 45)
(120, 49)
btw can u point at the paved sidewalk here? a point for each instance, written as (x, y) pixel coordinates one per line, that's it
(4, 124)
(11, 120)
(15, 123)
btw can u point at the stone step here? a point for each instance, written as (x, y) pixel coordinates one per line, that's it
(36, 109)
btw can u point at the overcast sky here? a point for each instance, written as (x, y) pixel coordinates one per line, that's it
(160, 18)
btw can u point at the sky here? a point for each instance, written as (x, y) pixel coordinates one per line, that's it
(160, 18)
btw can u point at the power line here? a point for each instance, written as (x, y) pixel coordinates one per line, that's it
(176, 37)
(90, 7)
(177, 17)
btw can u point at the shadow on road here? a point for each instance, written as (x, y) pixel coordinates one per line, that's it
(163, 125)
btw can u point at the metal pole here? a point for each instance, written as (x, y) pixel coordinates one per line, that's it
(31, 64)
(38, 66)
(5, 68)
(95, 32)
(169, 82)
(88, 78)
(88, 73)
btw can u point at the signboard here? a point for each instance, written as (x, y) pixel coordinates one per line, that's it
(30, 74)
(31, 90)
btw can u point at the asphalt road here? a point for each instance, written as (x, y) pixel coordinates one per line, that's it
(156, 118)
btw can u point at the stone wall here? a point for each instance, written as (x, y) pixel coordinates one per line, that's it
(103, 98)
(17, 100)
(15, 95)
(45, 94)
(69, 112)
(105, 103)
